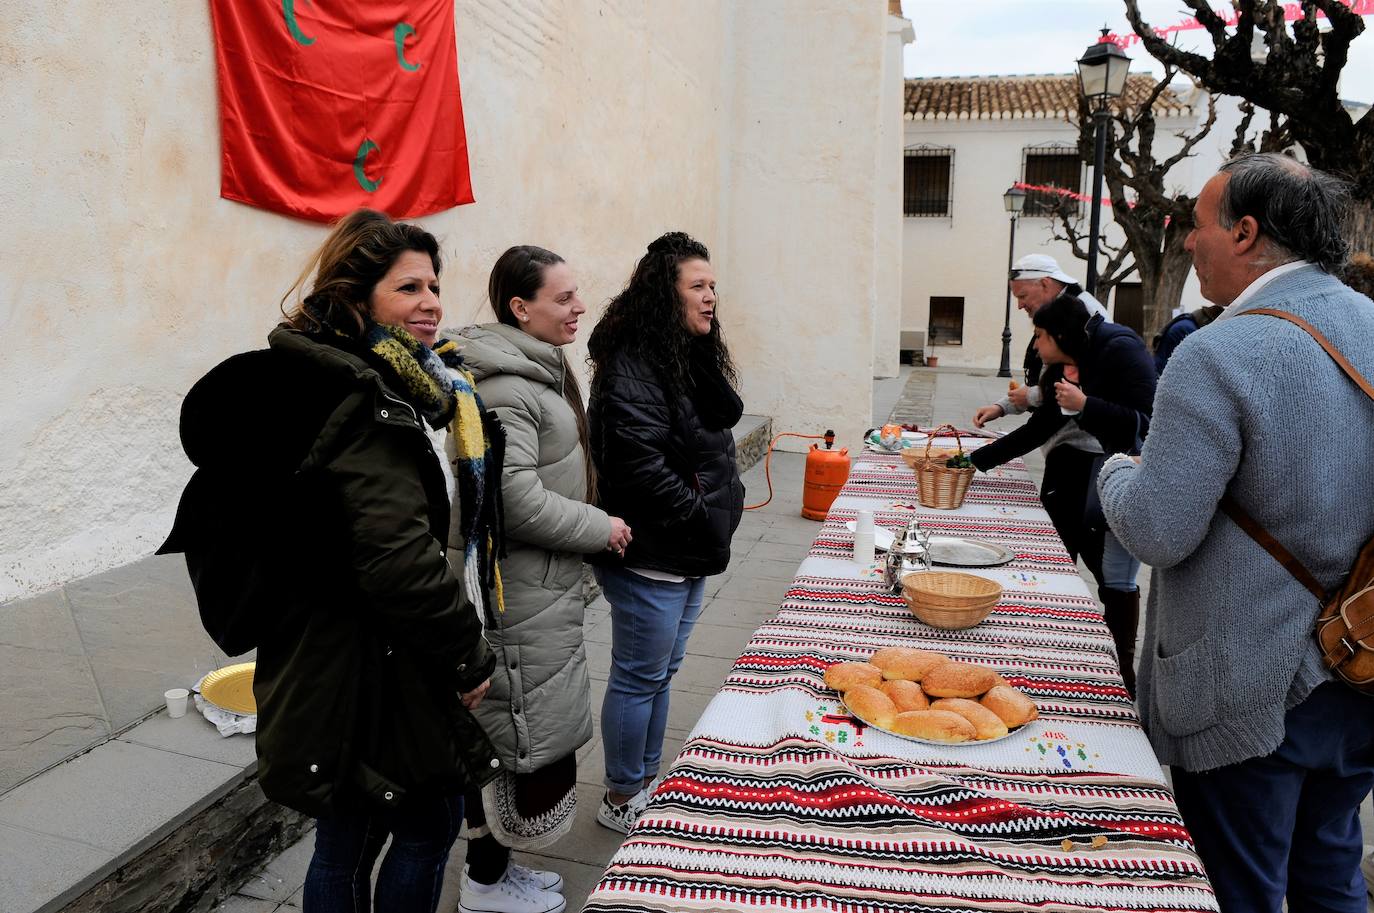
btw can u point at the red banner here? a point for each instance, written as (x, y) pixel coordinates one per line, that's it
(327, 106)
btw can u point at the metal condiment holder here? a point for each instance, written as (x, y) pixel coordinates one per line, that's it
(908, 554)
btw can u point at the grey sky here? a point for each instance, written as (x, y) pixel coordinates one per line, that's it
(1006, 37)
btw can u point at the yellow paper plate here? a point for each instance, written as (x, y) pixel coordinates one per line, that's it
(231, 688)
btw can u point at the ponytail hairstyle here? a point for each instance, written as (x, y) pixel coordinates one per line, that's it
(519, 273)
(647, 319)
(355, 256)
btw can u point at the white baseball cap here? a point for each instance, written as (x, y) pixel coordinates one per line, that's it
(1041, 266)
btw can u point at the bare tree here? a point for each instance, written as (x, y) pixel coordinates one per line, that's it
(1296, 81)
(1154, 217)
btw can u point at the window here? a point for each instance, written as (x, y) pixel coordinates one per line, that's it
(1051, 166)
(926, 181)
(946, 321)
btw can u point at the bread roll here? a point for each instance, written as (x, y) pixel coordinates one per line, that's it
(954, 679)
(906, 695)
(934, 725)
(906, 664)
(843, 676)
(986, 724)
(871, 706)
(1010, 705)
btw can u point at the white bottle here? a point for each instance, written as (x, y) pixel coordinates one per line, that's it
(863, 538)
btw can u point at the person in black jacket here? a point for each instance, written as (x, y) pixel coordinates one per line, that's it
(662, 406)
(1100, 378)
(314, 528)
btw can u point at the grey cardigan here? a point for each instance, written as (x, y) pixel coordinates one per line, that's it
(538, 709)
(1254, 406)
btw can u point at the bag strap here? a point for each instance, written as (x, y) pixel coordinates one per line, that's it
(1238, 514)
(1336, 356)
(1255, 531)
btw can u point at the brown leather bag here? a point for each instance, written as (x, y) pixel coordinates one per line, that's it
(1345, 627)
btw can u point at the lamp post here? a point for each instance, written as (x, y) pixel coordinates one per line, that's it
(1013, 200)
(1101, 77)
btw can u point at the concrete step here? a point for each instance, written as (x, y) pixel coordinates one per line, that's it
(752, 435)
(165, 816)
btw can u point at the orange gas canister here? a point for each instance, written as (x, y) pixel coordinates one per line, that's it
(826, 472)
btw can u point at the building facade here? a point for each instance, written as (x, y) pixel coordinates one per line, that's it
(592, 128)
(967, 141)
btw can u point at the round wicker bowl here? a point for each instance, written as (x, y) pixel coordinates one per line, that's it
(950, 600)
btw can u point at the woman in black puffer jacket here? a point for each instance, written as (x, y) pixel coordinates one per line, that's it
(662, 406)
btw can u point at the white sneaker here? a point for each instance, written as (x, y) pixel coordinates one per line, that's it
(509, 895)
(622, 817)
(654, 784)
(541, 879)
(1367, 869)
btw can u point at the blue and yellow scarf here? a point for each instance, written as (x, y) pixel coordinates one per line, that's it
(436, 382)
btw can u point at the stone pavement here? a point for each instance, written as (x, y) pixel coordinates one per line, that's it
(87, 660)
(771, 542)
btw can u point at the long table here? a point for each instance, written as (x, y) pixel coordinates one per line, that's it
(779, 800)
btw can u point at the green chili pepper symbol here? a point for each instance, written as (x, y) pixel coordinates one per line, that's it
(288, 8)
(403, 31)
(359, 161)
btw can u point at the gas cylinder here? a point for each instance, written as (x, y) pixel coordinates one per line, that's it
(826, 472)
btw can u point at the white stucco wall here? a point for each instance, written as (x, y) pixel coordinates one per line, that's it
(803, 190)
(887, 215)
(592, 128)
(965, 254)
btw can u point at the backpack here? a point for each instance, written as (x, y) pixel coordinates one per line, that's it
(1345, 626)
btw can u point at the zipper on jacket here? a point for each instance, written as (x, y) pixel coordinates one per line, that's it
(413, 413)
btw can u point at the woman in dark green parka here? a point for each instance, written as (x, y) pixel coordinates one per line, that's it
(315, 530)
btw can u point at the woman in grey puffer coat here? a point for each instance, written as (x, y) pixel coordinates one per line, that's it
(538, 712)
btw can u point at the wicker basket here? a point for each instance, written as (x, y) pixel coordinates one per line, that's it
(950, 600)
(937, 485)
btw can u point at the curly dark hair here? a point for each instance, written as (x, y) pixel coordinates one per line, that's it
(647, 319)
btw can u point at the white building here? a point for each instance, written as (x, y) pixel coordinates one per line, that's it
(967, 140)
(592, 128)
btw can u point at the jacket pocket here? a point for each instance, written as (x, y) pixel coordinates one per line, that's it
(551, 562)
(1184, 694)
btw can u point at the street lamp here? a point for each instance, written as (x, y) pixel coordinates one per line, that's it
(1101, 77)
(1013, 200)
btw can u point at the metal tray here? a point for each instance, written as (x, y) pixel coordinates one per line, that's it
(956, 551)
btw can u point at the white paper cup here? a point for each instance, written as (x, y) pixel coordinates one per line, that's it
(176, 702)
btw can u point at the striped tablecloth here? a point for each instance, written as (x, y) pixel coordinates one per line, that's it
(780, 801)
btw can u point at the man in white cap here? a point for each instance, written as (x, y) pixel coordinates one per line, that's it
(1036, 280)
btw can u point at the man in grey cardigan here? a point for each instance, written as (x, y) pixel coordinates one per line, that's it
(1271, 758)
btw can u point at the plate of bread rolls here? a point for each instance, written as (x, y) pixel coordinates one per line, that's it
(924, 696)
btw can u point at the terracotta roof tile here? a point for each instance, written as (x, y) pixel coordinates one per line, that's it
(998, 97)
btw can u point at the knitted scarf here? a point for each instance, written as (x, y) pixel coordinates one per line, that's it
(435, 381)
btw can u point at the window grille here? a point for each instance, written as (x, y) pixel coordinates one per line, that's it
(1055, 165)
(928, 181)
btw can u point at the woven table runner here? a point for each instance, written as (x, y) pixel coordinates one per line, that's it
(781, 801)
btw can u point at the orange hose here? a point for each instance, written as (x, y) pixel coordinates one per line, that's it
(768, 457)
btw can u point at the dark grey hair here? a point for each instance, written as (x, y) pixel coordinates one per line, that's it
(1301, 211)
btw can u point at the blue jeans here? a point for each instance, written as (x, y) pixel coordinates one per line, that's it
(650, 623)
(422, 833)
(1289, 823)
(1119, 567)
